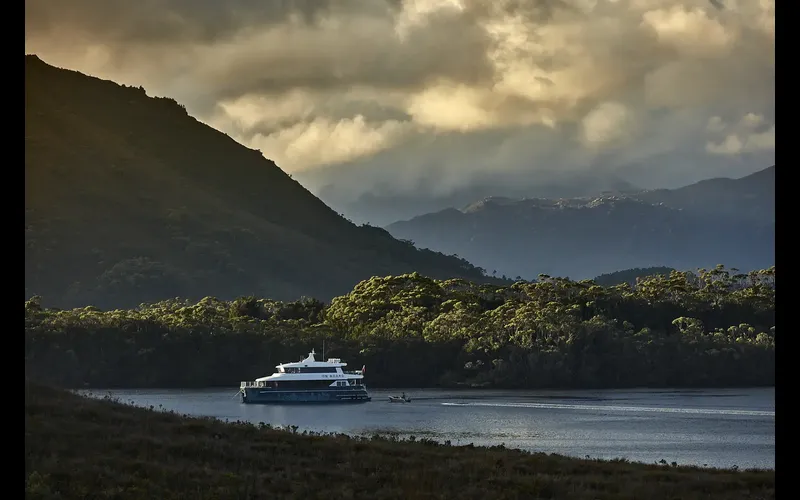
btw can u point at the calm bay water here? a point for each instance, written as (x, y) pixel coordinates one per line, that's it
(717, 428)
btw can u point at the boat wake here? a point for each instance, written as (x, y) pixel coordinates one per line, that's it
(557, 406)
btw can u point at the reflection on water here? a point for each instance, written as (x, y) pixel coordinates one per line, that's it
(718, 428)
(706, 411)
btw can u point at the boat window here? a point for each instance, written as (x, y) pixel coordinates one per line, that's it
(313, 369)
(318, 370)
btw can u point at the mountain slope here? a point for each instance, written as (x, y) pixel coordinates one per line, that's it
(129, 199)
(583, 238)
(749, 198)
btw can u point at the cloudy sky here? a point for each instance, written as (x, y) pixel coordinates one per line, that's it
(397, 89)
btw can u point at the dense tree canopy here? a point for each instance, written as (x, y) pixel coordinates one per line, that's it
(709, 328)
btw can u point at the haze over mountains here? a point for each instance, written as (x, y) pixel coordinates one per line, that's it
(717, 221)
(386, 202)
(382, 204)
(129, 199)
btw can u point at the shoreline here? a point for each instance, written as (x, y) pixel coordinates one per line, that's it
(76, 446)
(411, 437)
(442, 437)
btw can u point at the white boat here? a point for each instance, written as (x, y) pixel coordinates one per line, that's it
(307, 381)
(399, 399)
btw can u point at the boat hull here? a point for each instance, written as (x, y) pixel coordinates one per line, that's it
(261, 395)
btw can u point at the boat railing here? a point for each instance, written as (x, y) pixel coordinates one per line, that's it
(248, 383)
(352, 372)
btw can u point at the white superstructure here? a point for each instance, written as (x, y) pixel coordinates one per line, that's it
(307, 370)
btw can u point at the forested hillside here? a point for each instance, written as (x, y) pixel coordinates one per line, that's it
(128, 199)
(710, 328)
(630, 275)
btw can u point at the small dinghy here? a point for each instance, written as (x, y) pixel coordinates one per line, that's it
(399, 399)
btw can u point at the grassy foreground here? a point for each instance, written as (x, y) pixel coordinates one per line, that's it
(77, 447)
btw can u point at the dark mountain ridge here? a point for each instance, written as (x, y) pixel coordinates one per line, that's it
(729, 221)
(630, 276)
(751, 197)
(129, 199)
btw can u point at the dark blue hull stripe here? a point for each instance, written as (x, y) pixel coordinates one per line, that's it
(257, 395)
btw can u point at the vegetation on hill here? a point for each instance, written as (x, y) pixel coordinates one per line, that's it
(144, 203)
(710, 328)
(719, 220)
(630, 275)
(81, 448)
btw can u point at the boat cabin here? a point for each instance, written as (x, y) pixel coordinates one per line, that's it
(311, 365)
(312, 373)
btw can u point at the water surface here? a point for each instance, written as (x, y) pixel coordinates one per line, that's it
(716, 428)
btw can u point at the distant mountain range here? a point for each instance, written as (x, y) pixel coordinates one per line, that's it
(382, 205)
(128, 199)
(750, 198)
(389, 187)
(716, 221)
